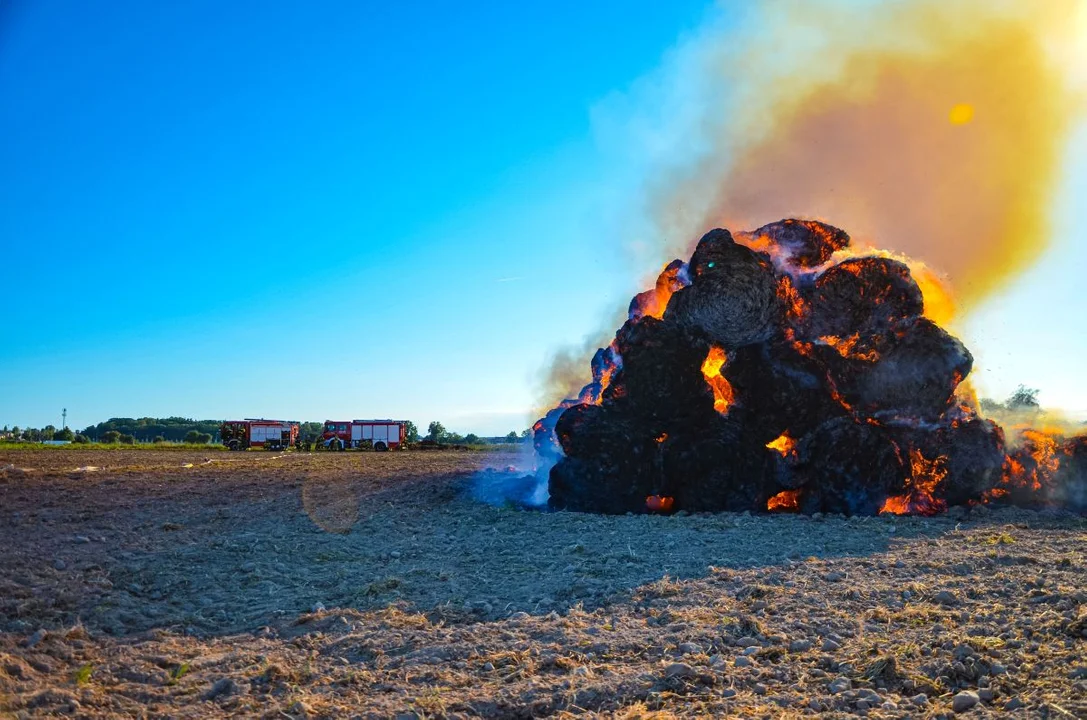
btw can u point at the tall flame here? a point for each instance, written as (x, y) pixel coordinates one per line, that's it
(920, 498)
(711, 369)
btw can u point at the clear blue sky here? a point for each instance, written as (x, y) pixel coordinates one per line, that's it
(286, 209)
(349, 209)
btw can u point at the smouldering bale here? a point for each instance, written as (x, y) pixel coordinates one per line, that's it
(1033, 464)
(861, 295)
(1070, 480)
(804, 244)
(661, 381)
(974, 450)
(732, 300)
(715, 469)
(777, 389)
(910, 371)
(610, 467)
(848, 467)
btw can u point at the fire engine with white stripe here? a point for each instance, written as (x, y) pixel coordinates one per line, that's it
(259, 433)
(381, 435)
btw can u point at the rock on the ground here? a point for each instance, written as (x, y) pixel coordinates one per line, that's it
(964, 701)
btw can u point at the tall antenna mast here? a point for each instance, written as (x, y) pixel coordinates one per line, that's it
(64, 418)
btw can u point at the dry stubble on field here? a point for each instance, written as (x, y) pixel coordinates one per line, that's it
(372, 585)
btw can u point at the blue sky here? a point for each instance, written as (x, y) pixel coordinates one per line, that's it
(263, 209)
(361, 210)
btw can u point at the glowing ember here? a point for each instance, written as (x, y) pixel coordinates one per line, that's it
(795, 307)
(925, 482)
(784, 501)
(845, 347)
(785, 445)
(711, 369)
(659, 503)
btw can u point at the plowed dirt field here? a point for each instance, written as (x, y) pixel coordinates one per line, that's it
(141, 583)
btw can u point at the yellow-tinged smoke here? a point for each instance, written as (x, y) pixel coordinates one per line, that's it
(933, 129)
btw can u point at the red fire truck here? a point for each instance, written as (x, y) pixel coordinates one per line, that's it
(381, 435)
(258, 432)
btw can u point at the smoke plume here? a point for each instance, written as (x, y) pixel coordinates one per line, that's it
(933, 129)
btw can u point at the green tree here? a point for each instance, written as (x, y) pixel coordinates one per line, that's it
(512, 437)
(526, 433)
(127, 439)
(80, 439)
(411, 432)
(159, 440)
(203, 438)
(310, 431)
(47, 432)
(111, 436)
(1023, 398)
(193, 436)
(471, 439)
(436, 431)
(64, 434)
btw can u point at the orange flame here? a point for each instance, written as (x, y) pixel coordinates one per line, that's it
(711, 369)
(785, 445)
(653, 302)
(605, 380)
(784, 501)
(659, 503)
(795, 307)
(926, 476)
(1042, 448)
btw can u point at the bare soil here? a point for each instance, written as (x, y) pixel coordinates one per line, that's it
(170, 584)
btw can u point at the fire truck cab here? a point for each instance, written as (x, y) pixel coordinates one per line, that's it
(381, 435)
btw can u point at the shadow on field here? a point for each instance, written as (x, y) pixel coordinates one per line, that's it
(235, 548)
(430, 549)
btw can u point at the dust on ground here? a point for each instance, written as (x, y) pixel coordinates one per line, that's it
(173, 584)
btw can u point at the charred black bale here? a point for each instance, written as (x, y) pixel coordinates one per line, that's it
(611, 466)
(715, 469)
(1070, 481)
(910, 371)
(861, 295)
(778, 389)
(732, 300)
(975, 458)
(807, 243)
(661, 381)
(848, 467)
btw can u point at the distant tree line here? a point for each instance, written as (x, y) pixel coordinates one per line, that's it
(1023, 398)
(48, 432)
(178, 429)
(436, 433)
(171, 429)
